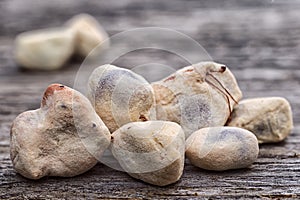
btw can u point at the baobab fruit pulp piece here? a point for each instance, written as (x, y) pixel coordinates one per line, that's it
(222, 148)
(120, 96)
(270, 118)
(62, 138)
(88, 33)
(151, 151)
(46, 49)
(197, 96)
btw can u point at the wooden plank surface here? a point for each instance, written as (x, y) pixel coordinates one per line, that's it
(258, 40)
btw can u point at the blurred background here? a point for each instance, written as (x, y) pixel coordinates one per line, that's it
(259, 40)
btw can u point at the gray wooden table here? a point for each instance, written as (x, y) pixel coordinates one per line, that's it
(258, 40)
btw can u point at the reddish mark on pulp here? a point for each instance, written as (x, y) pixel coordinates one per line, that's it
(170, 78)
(189, 70)
(50, 90)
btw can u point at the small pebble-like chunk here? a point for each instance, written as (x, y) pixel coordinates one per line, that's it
(151, 151)
(222, 148)
(62, 138)
(88, 33)
(46, 49)
(197, 96)
(120, 96)
(270, 118)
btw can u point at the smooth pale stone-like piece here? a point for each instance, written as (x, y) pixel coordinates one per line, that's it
(120, 96)
(62, 138)
(270, 118)
(46, 49)
(151, 151)
(197, 96)
(89, 33)
(222, 148)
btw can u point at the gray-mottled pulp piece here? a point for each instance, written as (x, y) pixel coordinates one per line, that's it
(222, 148)
(197, 96)
(120, 96)
(46, 49)
(151, 151)
(270, 118)
(62, 138)
(88, 33)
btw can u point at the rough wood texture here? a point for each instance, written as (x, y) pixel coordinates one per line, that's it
(258, 40)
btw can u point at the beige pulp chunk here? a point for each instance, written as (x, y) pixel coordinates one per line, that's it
(46, 49)
(120, 96)
(222, 148)
(88, 34)
(151, 151)
(197, 96)
(270, 118)
(62, 138)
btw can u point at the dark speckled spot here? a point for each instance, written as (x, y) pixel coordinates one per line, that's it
(143, 118)
(240, 138)
(229, 133)
(195, 112)
(108, 81)
(260, 128)
(94, 125)
(63, 106)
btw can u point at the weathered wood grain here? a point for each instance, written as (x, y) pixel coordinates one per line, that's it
(258, 40)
